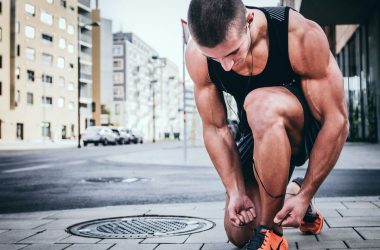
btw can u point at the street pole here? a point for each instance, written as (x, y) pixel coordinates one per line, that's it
(79, 96)
(184, 105)
(154, 112)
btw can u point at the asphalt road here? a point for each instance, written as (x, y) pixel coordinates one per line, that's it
(72, 178)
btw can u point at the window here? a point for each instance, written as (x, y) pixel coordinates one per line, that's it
(118, 64)
(18, 73)
(71, 105)
(1, 34)
(0, 120)
(29, 54)
(18, 27)
(29, 98)
(70, 48)
(1, 88)
(46, 59)
(61, 81)
(62, 23)
(1, 62)
(48, 101)
(71, 65)
(29, 32)
(46, 17)
(47, 79)
(118, 77)
(61, 102)
(20, 131)
(61, 62)
(46, 129)
(117, 109)
(63, 3)
(117, 50)
(18, 50)
(70, 29)
(118, 92)
(29, 9)
(70, 86)
(18, 96)
(49, 1)
(1, 11)
(62, 43)
(30, 74)
(46, 38)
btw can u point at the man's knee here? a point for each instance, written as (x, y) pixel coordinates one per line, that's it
(263, 112)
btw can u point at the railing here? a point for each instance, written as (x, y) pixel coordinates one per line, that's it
(84, 20)
(86, 3)
(86, 38)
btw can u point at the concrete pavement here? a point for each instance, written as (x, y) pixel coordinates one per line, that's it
(350, 222)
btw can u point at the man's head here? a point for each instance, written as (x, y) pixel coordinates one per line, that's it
(219, 27)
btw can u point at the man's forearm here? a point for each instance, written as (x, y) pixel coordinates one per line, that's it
(223, 152)
(324, 155)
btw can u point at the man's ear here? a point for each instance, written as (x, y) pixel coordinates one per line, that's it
(249, 16)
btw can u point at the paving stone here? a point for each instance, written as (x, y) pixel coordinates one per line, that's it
(329, 205)
(11, 247)
(363, 243)
(77, 239)
(353, 221)
(14, 236)
(60, 224)
(47, 236)
(46, 247)
(21, 224)
(28, 216)
(202, 213)
(330, 212)
(121, 241)
(126, 245)
(369, 233)
(2, 231)
(214, 235)
(359, 205)
(338, 234)
(359, 212)
(321, 245)
(219, 246)
(168, 240)
(98, 213)
(89, 247)
(179, 247)
(294, 235)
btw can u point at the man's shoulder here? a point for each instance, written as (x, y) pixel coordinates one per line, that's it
(196, 63)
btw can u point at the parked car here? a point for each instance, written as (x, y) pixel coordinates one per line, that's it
(124, 133)
(98, 134)
(135, 137)
(121, 135)
(119, 139)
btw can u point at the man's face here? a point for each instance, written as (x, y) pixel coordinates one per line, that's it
(233, 51)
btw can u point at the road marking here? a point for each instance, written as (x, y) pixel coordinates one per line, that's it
(27, 169)
(42, 167)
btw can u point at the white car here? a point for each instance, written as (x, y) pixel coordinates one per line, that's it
(98, 134)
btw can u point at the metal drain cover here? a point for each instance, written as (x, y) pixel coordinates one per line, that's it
(138, 227)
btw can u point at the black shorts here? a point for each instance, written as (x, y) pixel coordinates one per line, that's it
(309, 134)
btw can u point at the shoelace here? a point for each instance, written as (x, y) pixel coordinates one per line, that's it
(256, 241)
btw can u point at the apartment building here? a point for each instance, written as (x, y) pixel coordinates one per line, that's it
(38, 63)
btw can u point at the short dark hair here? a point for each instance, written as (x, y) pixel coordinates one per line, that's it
(210, 20)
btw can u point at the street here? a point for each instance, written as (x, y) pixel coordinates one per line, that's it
(98, 176)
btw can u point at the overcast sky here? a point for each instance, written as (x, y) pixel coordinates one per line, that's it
(157, 22)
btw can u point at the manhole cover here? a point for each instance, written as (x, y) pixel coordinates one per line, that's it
(115, 180)
(140, 227)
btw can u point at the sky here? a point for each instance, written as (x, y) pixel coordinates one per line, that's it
(157, 22)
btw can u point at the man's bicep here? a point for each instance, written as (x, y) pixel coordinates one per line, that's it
(210, 105)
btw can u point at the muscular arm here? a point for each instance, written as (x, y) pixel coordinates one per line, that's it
(217, 137)
(322, 84)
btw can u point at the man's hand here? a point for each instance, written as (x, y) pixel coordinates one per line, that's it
(292, 212)
(241, 210)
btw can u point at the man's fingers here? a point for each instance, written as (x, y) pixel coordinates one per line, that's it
(253, 212)
(290, 222)
(245, 216)
(234, 218)
(281, 215)
(241, 218)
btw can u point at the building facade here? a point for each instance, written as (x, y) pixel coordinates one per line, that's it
(353, 30)
(38, 69)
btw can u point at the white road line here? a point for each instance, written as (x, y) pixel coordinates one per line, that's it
(42, 167)
(27, 169)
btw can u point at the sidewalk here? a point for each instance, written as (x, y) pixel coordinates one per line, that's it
(352, 223)
(36, 145)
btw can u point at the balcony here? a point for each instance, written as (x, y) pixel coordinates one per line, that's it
(83, 20)
(86, 38)
(86, 57)
(86, 4)
(84, 76)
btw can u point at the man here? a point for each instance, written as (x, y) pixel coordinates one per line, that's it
(289, 92)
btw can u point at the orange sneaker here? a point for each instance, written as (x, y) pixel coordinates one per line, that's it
(312, 222)
(265, 239)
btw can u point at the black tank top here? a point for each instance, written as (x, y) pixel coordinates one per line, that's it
(277, 72)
